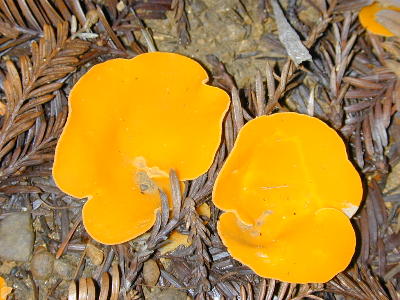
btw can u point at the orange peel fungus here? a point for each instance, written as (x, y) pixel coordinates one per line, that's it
(131, 121)
(368, 17)
(4, 289)
(288, 191)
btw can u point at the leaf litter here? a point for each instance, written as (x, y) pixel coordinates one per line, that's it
(351, 83)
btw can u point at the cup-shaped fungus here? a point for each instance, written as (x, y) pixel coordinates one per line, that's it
(130, 122)
(288, 190)
(380, 19)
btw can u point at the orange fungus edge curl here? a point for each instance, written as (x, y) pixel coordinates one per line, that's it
(319, 253)
(367, 17)
(206, 99)
(265, 187)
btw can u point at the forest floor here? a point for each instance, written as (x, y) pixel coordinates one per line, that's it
(351, 83)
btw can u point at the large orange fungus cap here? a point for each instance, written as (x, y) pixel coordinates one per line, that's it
(288, 190)
(130, 122)
(368, 18)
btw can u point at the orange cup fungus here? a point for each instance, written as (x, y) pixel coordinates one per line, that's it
(368, 17)
(131, 121)
(288, 190)
(4, 289)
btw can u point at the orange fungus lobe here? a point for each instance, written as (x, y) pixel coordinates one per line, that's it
(368, 18)
(130, 122)
(4, 289)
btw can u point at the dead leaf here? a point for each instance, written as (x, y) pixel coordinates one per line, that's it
(289, 37)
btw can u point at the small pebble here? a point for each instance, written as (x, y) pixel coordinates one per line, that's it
(121, 6)
(64, 269)
(95, 255)
(151, 272)
(16, 237)
(42, 264)
(165, 294)
(198, 6)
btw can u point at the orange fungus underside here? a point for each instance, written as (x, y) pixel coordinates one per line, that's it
(130, 122)
(288, 190)
(368, 18)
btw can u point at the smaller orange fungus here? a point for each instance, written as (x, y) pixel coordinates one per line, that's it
(130, 122)
(368, 17)
(288, 190)
(4, 289)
